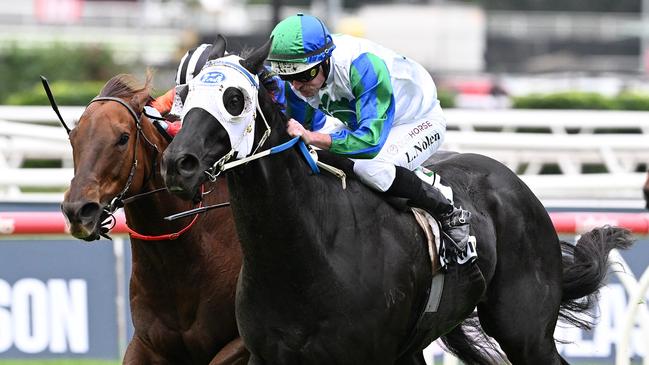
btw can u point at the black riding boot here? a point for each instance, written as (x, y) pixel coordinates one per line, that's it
(455, 221)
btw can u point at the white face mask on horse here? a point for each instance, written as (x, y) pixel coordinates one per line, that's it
(208, 89)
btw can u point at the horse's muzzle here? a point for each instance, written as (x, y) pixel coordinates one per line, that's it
(183, 175)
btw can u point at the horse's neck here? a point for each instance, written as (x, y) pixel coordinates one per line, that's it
(273, 199)
(278, 174)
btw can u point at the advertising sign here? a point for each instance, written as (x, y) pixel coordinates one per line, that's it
(57, 299)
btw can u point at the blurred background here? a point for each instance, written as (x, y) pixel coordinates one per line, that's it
(557, 90)
(473, 48)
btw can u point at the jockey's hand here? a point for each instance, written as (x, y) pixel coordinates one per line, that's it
(320, 140)
(295, 129)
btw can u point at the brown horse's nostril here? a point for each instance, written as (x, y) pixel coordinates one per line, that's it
(89, 211)
(187, 165)
(79, 212)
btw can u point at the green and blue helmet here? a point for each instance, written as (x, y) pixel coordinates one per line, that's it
(299, 43)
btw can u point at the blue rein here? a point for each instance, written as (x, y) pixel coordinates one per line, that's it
(305, 152)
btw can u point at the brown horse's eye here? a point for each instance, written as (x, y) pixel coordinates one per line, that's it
(233, 101)
(123, 139)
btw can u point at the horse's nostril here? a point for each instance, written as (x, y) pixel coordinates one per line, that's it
(187, 164)
(81, 212)
(89, 211)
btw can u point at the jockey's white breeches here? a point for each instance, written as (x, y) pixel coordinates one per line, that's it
(409, 144)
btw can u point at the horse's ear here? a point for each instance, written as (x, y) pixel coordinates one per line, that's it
(143, 96)
(255, 62)
(218, 48)
(139, 100)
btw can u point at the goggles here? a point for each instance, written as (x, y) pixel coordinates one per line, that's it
(304, 76)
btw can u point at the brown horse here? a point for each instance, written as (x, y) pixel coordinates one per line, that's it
(182, 290)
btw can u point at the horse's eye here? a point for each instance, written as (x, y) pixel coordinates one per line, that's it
(233, 101)
(123, 139)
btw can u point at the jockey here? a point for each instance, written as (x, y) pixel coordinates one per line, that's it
(389, 120)
(170, 104)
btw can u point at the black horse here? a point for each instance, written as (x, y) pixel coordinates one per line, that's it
(333, 276)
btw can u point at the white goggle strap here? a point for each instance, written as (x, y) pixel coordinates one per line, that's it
(266, 133)
(217, 167)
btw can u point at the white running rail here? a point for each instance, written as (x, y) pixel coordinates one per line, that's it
(527, 153)
(555, 121)
(23, 137)
(467, 120)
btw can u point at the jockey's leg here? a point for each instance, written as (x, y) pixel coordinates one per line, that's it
(407, 147)
(420, 194)
(405, 184)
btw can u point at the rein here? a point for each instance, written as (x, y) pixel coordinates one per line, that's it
(168, 236)
(142, 195)
(220, 166)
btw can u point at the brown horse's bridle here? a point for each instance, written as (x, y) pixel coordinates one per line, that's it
(107, 218)
(117, 202)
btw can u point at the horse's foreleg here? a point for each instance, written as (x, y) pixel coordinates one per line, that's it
(234, 353)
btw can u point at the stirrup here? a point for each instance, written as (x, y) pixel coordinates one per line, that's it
(457, 217)
(458, 220)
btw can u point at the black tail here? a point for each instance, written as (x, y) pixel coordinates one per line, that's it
(585, 266)
(471, 345)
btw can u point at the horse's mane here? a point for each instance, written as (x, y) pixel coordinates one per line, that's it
(125, 86)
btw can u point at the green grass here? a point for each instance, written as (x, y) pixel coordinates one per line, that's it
(58, 362)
